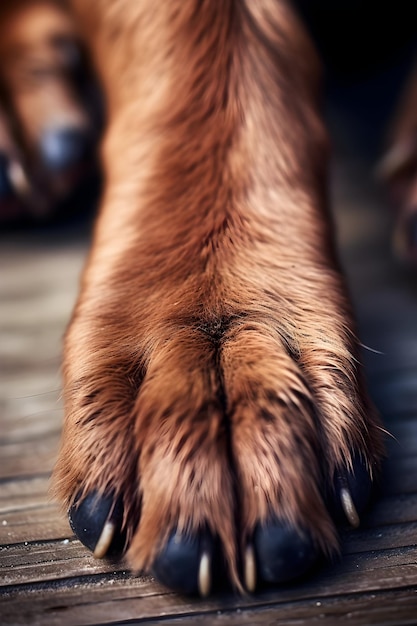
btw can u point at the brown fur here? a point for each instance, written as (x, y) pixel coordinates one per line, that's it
(211, 373)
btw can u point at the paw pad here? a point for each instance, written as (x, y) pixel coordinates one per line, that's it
(282, 552)
(185, 564)
(97, 521)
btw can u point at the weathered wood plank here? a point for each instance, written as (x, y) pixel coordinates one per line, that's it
(376, 609)
(50, 561)
(393, 509)
(33, 524)
(380, 538)
(37, 561)
(30, 418)
(23, 458)
(16, 493)
(116, 598)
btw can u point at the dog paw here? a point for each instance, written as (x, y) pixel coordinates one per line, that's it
(49, 111)
(224, 453)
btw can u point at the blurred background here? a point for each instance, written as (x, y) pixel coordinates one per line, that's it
(368, 49)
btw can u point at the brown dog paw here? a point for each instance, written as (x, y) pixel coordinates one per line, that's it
(221, 456)
(212, 383)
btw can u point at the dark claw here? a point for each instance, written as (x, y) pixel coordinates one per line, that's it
(97, 521)
(283, 552)
(355, 484)
(185, 564)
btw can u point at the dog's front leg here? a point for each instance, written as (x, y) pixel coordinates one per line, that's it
(214, 400)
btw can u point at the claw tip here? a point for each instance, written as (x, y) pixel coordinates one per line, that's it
(204, 575)
(349, 507)
(105, 539)
(250, 569)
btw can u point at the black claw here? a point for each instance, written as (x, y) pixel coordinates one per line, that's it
(283, 552)
(178, 565)
(358, 482)
(88, 516)
(6, 189)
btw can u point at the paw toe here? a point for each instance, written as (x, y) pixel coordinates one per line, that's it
(185, 564)
(282, 552)
(97, 521)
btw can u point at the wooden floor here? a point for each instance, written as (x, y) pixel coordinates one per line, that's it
(48, 578)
